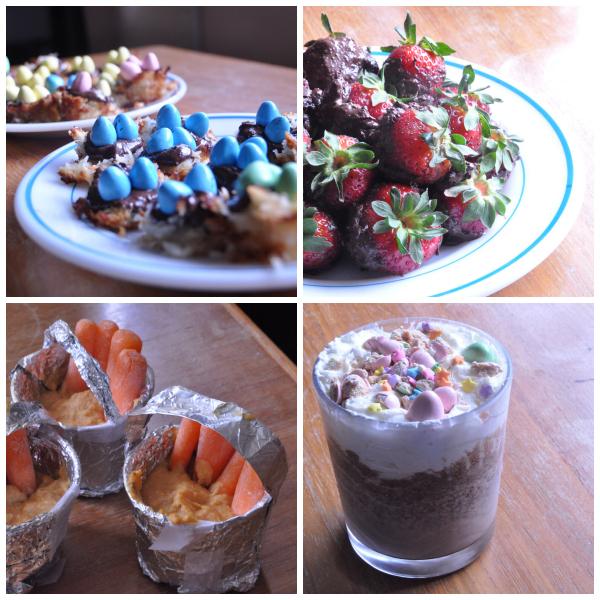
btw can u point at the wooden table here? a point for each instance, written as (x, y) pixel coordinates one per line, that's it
(215, 84)
(211, 348)
(543, 541)
(528, 45)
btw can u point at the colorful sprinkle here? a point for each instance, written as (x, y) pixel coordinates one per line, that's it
(468, 385)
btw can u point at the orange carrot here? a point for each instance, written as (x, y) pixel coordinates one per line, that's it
(87, 333)
(185, 443)
(121, 340)
(127, 379)
(213, 453)
(19, 465)
(228, 479)
(248, 492)
(106, 330)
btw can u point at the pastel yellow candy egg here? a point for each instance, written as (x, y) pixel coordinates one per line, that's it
(26, 95)
(12, 93)
(76, 63)
(40, 92)
(36, 80)
(43, 71)
(87, 64)
(52, 63)
(111, 68)
(123, 54)
(23, 74)
(10, 82)
(113, 56)
(105, 76)
(104, 87)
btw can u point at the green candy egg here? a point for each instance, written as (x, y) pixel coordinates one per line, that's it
(260, 173)
(288, 180)
(478, 352)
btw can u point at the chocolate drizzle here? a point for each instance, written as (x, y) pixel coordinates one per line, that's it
(119, 149)
(173, 156)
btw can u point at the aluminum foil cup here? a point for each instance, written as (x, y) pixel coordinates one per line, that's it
(32, 547)
(206, 556)
(101, 448)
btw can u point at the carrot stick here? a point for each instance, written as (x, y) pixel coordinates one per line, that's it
(19, 465)
(248, 492)
(213, 453)
(106, 330)
(185, 443)
(127, 379)
(87, 333)
(121, 340)
(227, 480)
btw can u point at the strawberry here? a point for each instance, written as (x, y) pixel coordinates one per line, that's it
(476, 98)
(464, 123)
(415, 70)
(420, 145)
(472, 207)
(322, 241)
(370, 92)
(344, 170)
(306, 138)
(500, 152)
(396, 230)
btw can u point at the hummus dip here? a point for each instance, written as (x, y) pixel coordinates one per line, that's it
(77, 410)
(177, 496)
(20, 508)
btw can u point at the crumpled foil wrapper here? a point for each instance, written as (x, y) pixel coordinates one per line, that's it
(205, 557)
(32, 547)
(101, 448)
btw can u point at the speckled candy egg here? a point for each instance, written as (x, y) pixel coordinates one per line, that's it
(144, 175)
(267, 111)
(113, 184)
(202, 179)
(161, 140)
(125, 127)
(420, 357)
(258, 140)
(103, 132)
(197, 123)
(225, 152)
(169, 117)
(277, 129)
(248, 154)
(183, 136)
(169, 194)
(425, 407)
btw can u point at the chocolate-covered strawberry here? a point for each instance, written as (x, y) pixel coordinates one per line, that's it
(500, 152)
(395, 230)
(321, 240)
(419, 146)
(414, 69)
(344, 170)
(477, 98)
(472, 207)
(370, 92)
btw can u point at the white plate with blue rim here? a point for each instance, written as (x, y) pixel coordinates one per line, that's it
(43, 205)
(544, 207)
(61, 128)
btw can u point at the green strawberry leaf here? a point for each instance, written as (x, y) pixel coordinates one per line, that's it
(489, 214)
(410, 31)
(415, 250)
(381, 226)
(383, 209)
(316, 158)
(316, 244)
(454, 191)
(327, 26)
(401, 240)
(471, 119)
(457, 138)
(469, 194)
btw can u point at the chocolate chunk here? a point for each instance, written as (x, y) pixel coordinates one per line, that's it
(50, 366)
(485, 368)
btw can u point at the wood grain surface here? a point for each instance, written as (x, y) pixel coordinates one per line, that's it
(215, 84)
(530, 46)
(211, 348)
(544, 529)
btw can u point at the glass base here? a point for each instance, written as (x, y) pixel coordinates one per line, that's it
(419, 569)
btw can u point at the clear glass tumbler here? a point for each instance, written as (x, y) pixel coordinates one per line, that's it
(419, 499)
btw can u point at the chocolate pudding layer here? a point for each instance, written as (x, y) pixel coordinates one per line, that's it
(426, 515)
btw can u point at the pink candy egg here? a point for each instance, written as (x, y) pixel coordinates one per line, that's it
(391, 401)
(150, 62)
(82, 82)
(420, 357)
(425, 407)
(134, 59)
(448, 396)
(130, 70)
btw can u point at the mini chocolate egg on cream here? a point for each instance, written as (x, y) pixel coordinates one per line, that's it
(267, 111)
(160, 140)
(169, 117)
(225, 152)
(169, 194)
(198, 123)
(202, 179)
(277, 129)
(478, 352)
(113, 184)
(420, 357)
(425, 407)
(103, 132)
(183, 136)
(144, 174)
(125, 127)
(248, 154)
(448, 396)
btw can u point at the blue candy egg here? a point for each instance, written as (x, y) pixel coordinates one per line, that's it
(113, 184)
(202, 179)
(71, 79)
(53, 82)
(267, 111)
(144, 175)
(103, 132)
(225, 152)
(161, 139)
(183, 136)
(125, 127)
(277, 129)
(169, 193)
(198, 123)
(169, 117)
(248, 154)
(259, 141)
(413, 372)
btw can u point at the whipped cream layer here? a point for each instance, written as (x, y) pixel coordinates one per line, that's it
(359, 372)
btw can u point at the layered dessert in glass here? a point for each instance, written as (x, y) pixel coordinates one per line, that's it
(415, 414)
